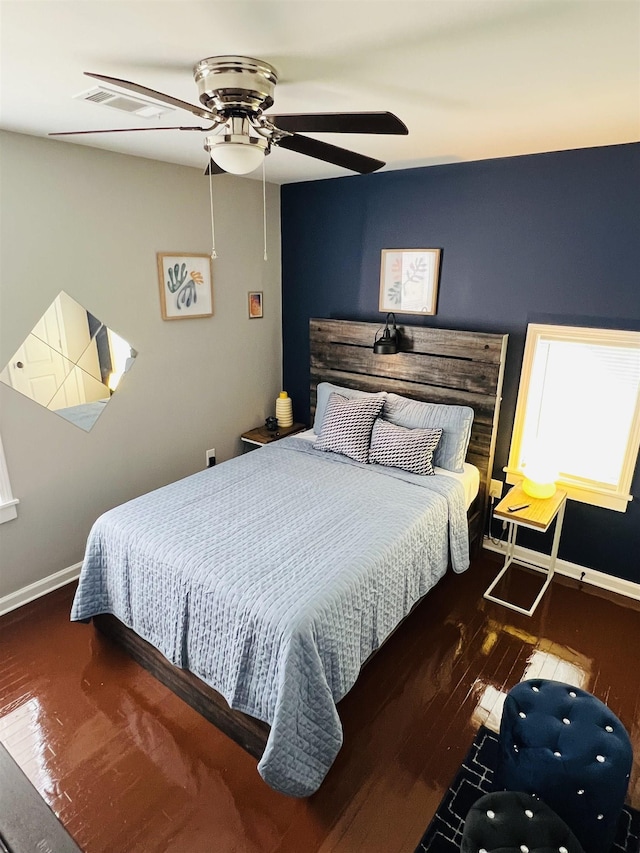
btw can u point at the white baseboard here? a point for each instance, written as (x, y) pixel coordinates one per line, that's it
(39, 588)
(571, 570)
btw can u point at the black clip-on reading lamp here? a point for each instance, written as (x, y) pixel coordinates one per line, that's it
(389, 342)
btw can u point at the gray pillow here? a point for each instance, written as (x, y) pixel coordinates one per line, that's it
(399, 447)
(323, 391)
(455, 422)
(347, 425)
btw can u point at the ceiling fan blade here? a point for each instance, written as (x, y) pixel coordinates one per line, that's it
(372, 122)
(330, 153)
(157, 96)
(119, 130)
(213, 168)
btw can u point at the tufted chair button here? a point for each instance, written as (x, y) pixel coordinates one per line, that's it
(600, 758)
(528, 813)
(524, 848)
(608, 728)
(523, 715)
(573, 694)
(491, 814)
(566, 721)
(558, 754)
(600, 817)
(562, 850)
(535, 689)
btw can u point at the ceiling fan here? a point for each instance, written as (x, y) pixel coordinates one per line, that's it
(234, 92)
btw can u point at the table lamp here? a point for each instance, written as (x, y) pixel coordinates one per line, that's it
(539, 479)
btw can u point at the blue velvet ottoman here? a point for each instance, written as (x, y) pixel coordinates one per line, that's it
(513, 822)
(568, 748)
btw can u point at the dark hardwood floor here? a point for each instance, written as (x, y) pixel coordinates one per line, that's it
(129, 768)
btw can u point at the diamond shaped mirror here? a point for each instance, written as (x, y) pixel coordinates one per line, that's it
(70, 363)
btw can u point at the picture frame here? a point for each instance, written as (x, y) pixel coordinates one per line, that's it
(255, 304)
(186, 285)
(409, 280)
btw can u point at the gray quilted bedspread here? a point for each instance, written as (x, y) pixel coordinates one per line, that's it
(273, 577)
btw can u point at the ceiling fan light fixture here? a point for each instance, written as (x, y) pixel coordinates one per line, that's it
(235, 153)
(237, 158)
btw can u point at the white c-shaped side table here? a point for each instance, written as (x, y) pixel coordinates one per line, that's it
(518, 509)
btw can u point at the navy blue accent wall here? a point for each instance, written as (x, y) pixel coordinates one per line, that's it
(542, 238)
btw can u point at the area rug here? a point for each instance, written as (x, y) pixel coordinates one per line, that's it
(475, 778)
(26, 821)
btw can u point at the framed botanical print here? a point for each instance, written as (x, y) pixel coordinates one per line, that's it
(186, 285)
(409, 280)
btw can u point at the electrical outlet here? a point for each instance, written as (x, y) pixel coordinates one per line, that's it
(495, 489)
(210, 457)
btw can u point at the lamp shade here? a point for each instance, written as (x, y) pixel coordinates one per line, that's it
(539, 477)
(238, 158)
(389, 342)
(538, 490)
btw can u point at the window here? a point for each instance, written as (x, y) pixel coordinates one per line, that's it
(8, 503)
(578, 411)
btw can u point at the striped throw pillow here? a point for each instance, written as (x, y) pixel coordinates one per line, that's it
(347, 424)
(455, 421)
(400, 447)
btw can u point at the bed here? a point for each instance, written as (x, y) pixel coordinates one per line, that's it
(268, 615)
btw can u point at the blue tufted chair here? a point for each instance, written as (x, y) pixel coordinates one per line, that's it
(568, 748)
(513, 822)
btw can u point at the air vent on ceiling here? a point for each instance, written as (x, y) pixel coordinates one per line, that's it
(125, 103)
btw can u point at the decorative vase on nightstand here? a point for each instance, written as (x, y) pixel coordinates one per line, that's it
(284, 410)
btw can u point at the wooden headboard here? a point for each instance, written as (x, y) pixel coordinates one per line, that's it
(434, 365)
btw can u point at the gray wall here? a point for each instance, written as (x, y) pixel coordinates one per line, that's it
(90, 222)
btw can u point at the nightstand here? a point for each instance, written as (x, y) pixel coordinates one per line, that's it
(536, 514)
(261, 435)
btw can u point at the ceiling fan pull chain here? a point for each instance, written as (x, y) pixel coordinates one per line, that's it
(213, 230)
(264, 209)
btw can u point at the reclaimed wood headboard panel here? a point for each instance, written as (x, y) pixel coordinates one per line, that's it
(434, 365)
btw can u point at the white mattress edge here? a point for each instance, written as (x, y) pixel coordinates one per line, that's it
(470, 477)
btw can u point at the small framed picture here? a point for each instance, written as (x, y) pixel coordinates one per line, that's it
(186, 285)
(255, 304)
(409, 280)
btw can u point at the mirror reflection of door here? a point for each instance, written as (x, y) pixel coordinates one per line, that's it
(69, 363)
(37, 370)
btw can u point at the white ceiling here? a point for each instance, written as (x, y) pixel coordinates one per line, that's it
(471, 80)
